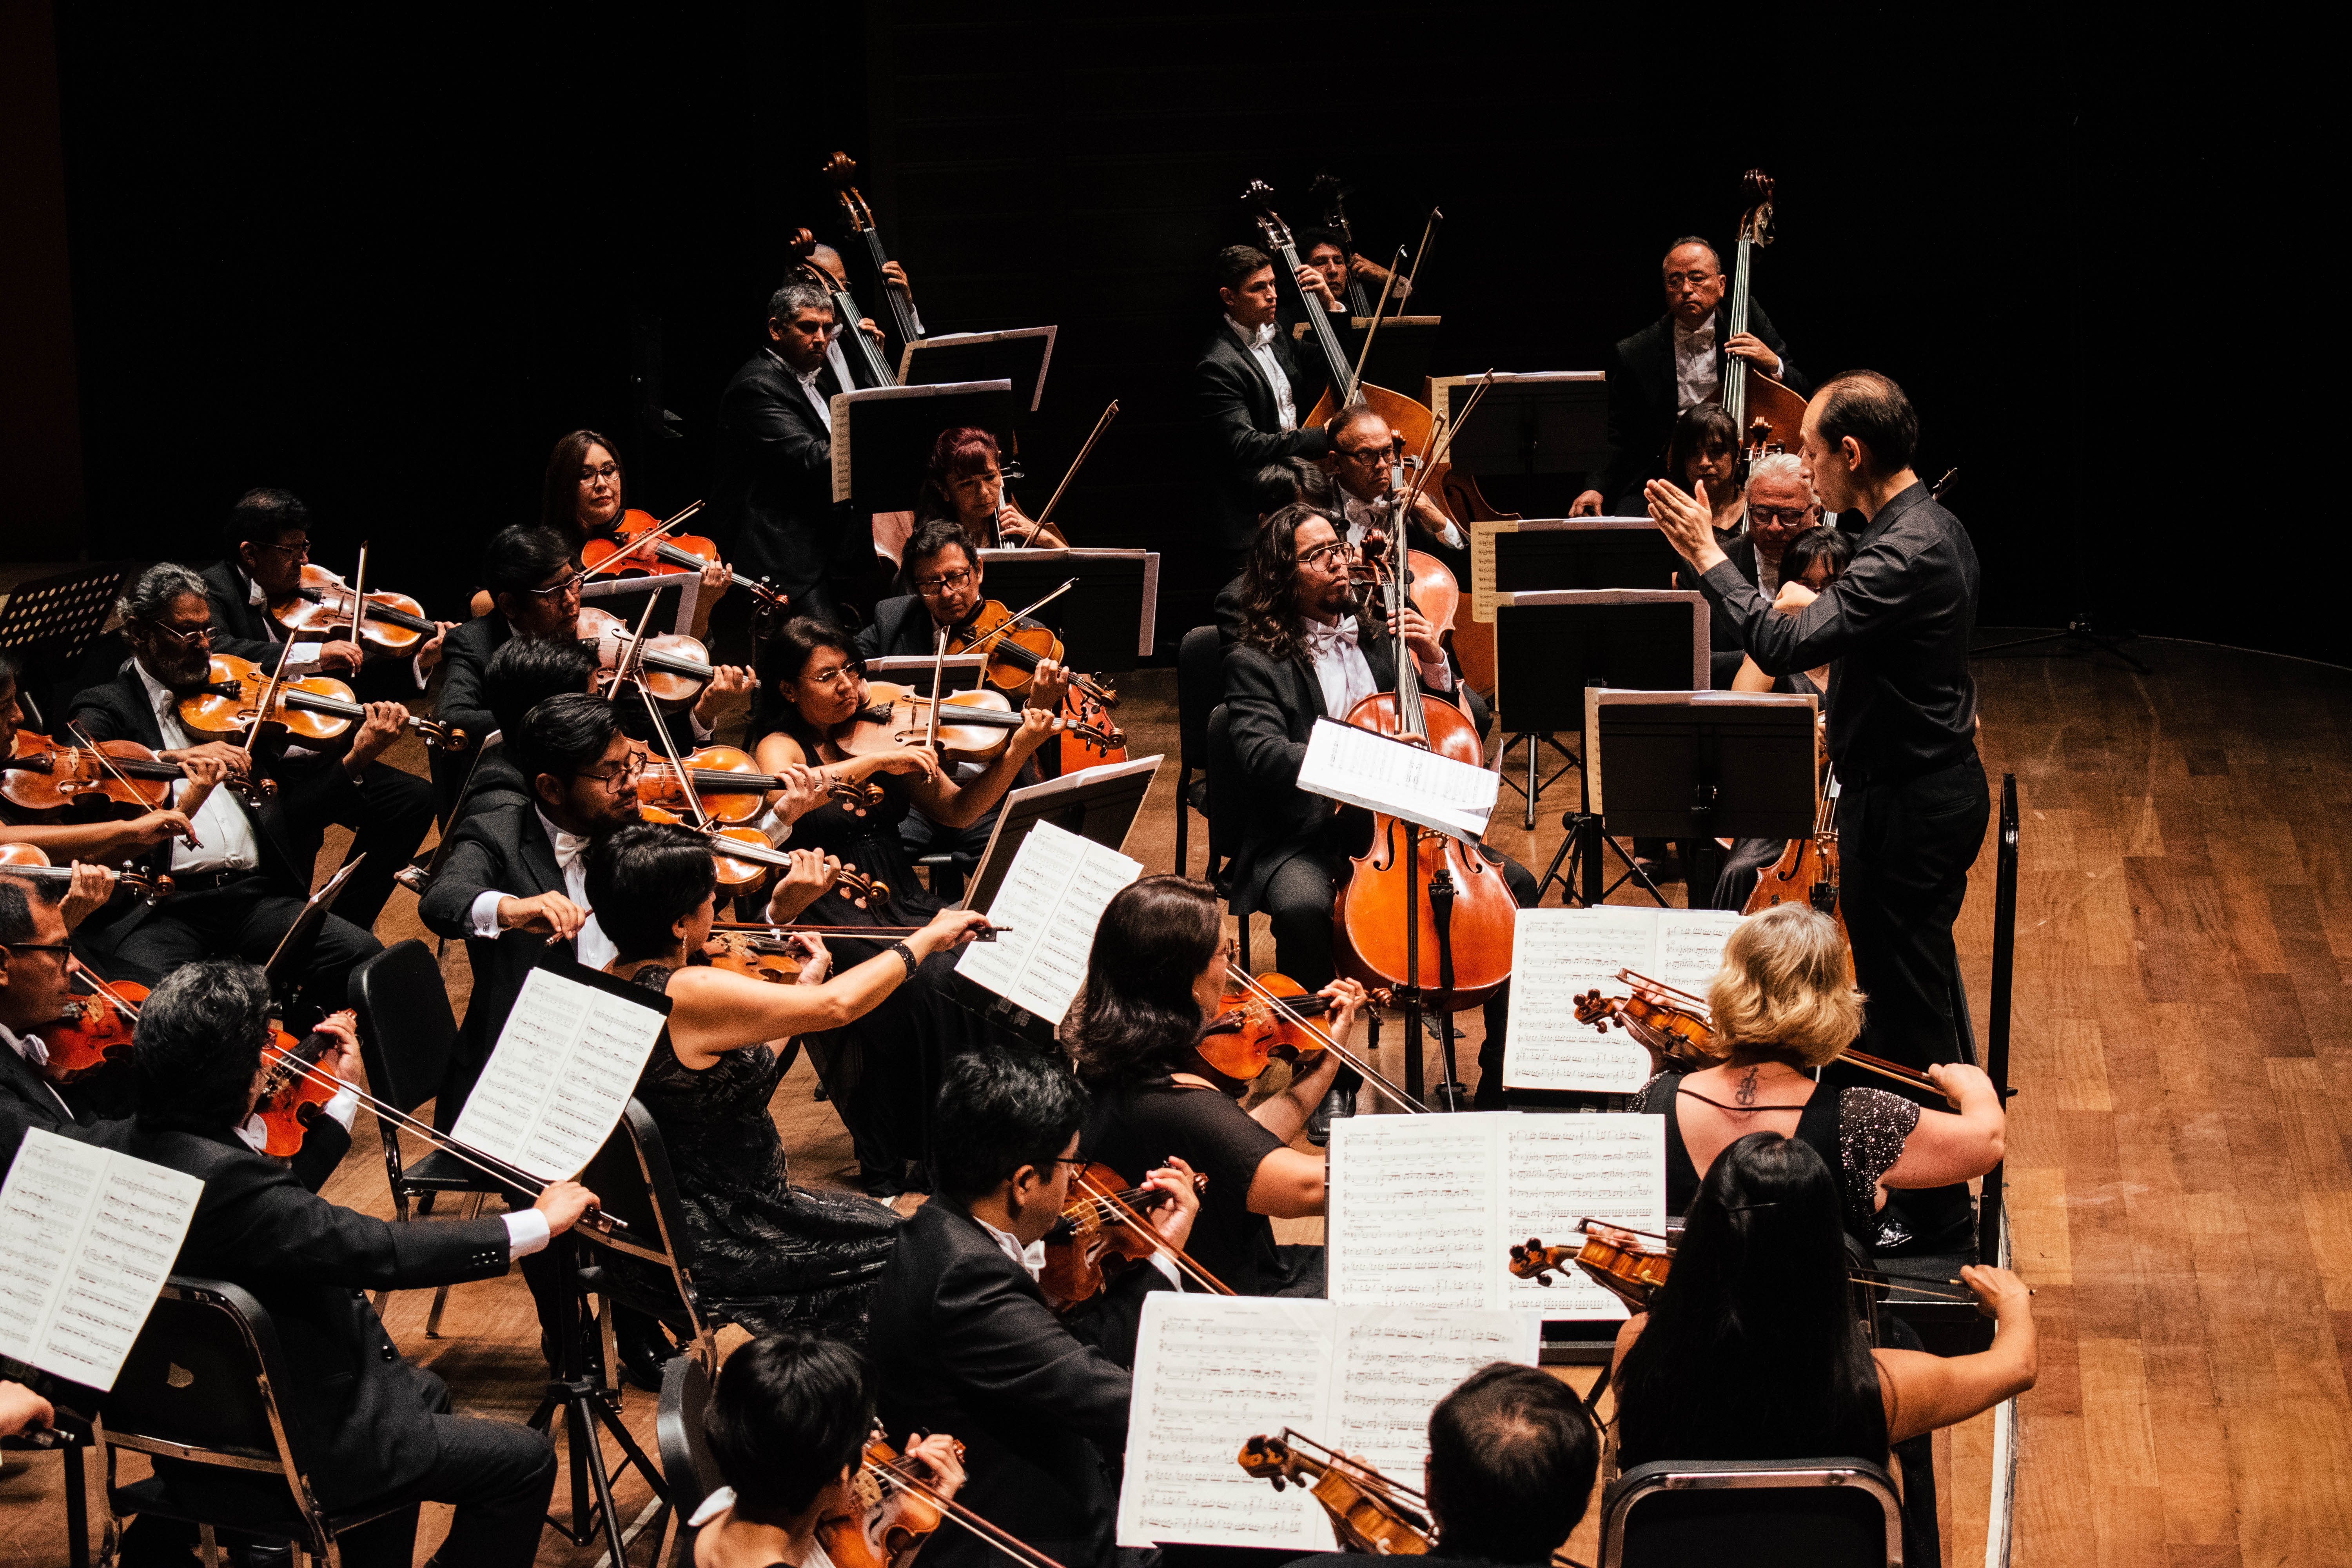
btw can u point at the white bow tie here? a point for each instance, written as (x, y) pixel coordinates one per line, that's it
(1324, 637)
(569, 848)
(1254, 337)
(34, 1049)
(1702, 333)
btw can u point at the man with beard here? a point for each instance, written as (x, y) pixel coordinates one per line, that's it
(240, 888)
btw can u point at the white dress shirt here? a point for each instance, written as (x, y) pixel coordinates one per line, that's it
(1258, 343)
(344, 1108)
(35, 1052)
(1346, 676)
(229, 844)
(305, 655)
(808, 388)
(1032, 1257)
(1364, 515)
(1695, 379)
(591, 946)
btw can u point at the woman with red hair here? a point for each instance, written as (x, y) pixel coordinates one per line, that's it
(965, 481)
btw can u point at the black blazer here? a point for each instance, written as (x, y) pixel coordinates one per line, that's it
(772, 498)
(497, 843)
(1641, 402)
(312, 1264)
(1241, 432)
(240, 627)
(963, 1341)
(466, 653)
(901, 627)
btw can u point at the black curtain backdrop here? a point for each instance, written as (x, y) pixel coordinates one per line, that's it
(383, 258)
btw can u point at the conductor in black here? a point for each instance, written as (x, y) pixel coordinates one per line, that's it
(1902, 707)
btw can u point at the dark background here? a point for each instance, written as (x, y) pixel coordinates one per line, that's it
(385, 256)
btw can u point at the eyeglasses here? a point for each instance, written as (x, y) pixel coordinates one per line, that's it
(293, 552)
(1786, 516)
(827, 677)
(609, 471)
(931, 587)
(1360, 454)
(1323, 555)
(568, 585)
(201, 637)
(626, 774)
(58, 947)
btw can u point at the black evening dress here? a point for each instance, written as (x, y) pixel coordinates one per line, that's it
(767, 1255)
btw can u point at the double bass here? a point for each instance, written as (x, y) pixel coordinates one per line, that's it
(842, 171)
(1768, 413)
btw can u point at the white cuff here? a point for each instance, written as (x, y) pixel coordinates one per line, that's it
(416, 668)
(702, 731)
(526, 1232)
(345, 1107)
(482, 915)
(1160, 1261)
(1438, 677)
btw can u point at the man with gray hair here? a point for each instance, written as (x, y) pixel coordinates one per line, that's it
(772, 499)
(1781, 506)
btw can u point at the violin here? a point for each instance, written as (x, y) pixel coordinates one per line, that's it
(1016, 646)
(739, 952)
(1369, 1513)
(1271, 1022)
(895, 1508)
(31, 863)
(238, 695)
(1103, 1227)
(1632, 1276)
(973, 726)
(394, 622)
(291, 1097)
(729, 785)
(93, 1030)
(1767, 414)
(1677, 1026)
(743, 857)
(43, 776)
(641, 546)
(674, 667)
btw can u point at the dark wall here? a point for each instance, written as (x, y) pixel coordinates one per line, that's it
(387, 268)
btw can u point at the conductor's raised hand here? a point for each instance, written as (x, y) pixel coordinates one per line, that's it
(1685, 521)
(1793, 597)
(563, 1203)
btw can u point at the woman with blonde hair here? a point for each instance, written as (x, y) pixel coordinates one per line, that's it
(1784, 1005)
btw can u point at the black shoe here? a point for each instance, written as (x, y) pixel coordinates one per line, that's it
(1319, 1121)
(644, 1346)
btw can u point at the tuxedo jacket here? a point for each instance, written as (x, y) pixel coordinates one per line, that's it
(1643, 398)
(771, 496)
(26, 1100)
(466, 654)
(963, 1341)
(1241, 430)
(901, 627)
(1273, 705)
(358, 1406)
(244, 630)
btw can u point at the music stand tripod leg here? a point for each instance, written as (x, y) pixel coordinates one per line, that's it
(579, 1397)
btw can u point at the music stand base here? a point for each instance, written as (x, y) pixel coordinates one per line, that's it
(580, 1397)
(1571, 853)
(2079, 635)
(1535, 738)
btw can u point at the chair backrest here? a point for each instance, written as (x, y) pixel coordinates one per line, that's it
(1199, 686)
(406, 1029)
(1225, 815)
(633, 1182)
(686, 1458)
(200, 1384)
(1760, 1514)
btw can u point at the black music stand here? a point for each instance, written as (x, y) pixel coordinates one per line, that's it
(882, 436)
(1539, 434)
(1107, 622)
(1018, 355)
(1560, 643)
(1689, 765)
(294, 948)
(1402, 351)
(50, 622)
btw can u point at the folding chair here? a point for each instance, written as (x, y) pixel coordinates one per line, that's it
(1760, 1514)
(1200, 688)
(686, 1458)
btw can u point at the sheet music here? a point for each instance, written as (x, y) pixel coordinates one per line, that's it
(1378, 773)
(1411, 1210)
(1396, 1363)
(1482, 567)
(87, 1239)
(561, 1073)
(1557, 955)
(1053, 897)
(1558, 1170)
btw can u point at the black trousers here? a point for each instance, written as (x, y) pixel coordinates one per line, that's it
(244, 919)
(387, 814)
(1905, 851)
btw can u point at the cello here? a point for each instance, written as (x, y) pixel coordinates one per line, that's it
(1768, 413)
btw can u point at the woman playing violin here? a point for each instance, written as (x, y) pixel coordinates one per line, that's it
(781, 1254)
(879, 1070)
(788, 1425)
(1156, 974)
(964, 483)
(1783, 1005)
(584, 496)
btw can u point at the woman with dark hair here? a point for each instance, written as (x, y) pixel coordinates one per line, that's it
(787, 1427)
(775, 1254)
(965, 482)
(1752, 1350)
(1703, 449)
(585, 496)
(1154, 978)
(880, 1070)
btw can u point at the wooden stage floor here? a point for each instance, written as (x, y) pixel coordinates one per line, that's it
(2180, 1179)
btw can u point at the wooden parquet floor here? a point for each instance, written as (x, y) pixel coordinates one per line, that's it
(2179, 1176)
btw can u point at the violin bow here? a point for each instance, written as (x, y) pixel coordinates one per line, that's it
(1016, 617)
(643, 542)
(1863, 1059)
(1112, 1206)
(261, 711)
(1281, 1004)
(1893, 1283)
(669, 749)
(359, 595)
(1379, 312)
(939, 673)
(994, 1535)
(1077, 463)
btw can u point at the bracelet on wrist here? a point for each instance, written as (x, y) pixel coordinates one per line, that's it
(906, 956)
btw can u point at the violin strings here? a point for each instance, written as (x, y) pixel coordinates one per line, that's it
(1011, 1545)
(1282, 1004)
(1175, 1254)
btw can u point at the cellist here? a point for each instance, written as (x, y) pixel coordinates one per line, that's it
(1359, 463)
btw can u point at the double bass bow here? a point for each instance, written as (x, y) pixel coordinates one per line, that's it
(1767, 414)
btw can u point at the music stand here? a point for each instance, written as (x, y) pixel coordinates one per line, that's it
(882, 436)
(1691, 765)
(1402, 350)
(959, 672)
(1018, 355)
(1561, 642)
(294, 945)
(1530, 425)
(52, 622)
(1098, 622)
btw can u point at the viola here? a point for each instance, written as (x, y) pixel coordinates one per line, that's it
(674, 667)
(293, 1097)
(93, 1030)
(729, 785)
(1767, 414)
(1369, 1512)
(394, 622)
(1677, 1026)
(894, 1509)
(639, 546)
(1105, 1226)
(44, 775)
(31, 863)
(238, 694)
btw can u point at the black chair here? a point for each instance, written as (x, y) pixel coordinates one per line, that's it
(686, 1458)
(71, 1438)
(1199, 686)
(406, 1032)
(199, 1386)
(1762, 1513)
(1223, 809)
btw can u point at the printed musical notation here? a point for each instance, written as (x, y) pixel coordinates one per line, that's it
(563, 1071)
(1557, 955)
(1378, 773)
(87, 1239)
(1052, 897)
(1211, 1372)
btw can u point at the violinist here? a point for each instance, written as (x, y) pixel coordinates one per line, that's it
(1512, 1459)
(380, 1427)
(1154, 977)
(964, 1341)
(103, 839)
(584, 495)
(1306, 653)
(781, 1256)
(1752, 1350)
(1359, 463)
(772, 498)
(1675, 363)
(879, 1070)
(242, 885)
(963, 483)
(788, 1425)
(37, 970)
(1251, 391)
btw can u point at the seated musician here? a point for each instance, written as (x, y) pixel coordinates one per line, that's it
(1294, 481)
(65, 835)
(1357, 463)
(1154, 977)
(881, 1069)
(1674, 364)
(1512, 1459)
(1753, 1350)
(1306, 653)
(964, 1341)
(787, 1427)
(583, 496)
(1251, 395)
(523, 674)
(963, 483)
(37, 970)
(771, 500)
(241, 886)
(772, 1254)
(379, 1427)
